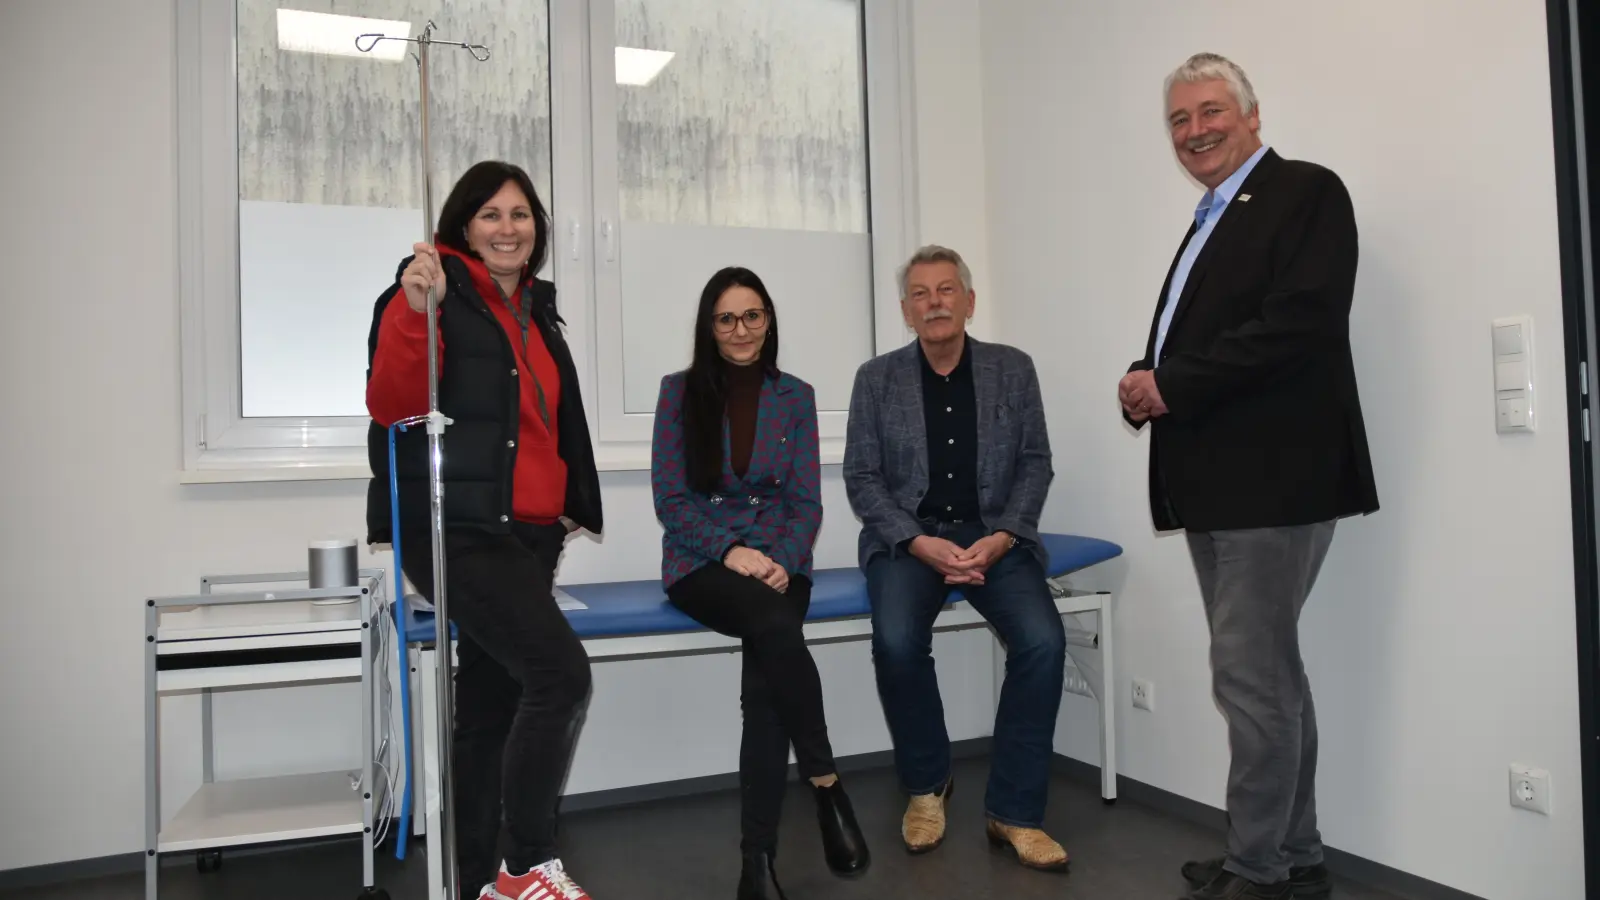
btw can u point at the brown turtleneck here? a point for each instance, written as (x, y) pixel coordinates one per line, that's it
(744, 402)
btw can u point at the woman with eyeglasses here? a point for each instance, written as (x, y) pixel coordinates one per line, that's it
(736, 478)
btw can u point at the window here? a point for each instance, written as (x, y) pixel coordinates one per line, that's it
(329, 176)
(668, 137)
(748, 147)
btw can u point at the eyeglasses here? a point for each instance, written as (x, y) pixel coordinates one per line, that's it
(753, 319)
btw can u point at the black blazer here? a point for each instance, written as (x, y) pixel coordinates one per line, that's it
(1264, 425)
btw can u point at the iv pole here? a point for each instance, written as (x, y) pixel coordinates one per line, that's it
(436, 425)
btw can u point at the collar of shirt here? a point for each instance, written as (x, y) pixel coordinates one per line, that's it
(1214, 202)
(962, 365)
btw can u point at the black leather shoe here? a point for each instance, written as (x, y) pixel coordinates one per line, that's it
(842, 841)
(1306, 882)
(759, 880)
(1228, 886)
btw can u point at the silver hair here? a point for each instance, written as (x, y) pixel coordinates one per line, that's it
(1212, 67)
(933, 253)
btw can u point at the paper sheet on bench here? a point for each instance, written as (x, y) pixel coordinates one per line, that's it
(564, 600)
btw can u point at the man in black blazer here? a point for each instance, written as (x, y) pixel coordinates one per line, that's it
(1257, 449)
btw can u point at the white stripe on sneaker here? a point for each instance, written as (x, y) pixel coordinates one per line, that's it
(535, 891)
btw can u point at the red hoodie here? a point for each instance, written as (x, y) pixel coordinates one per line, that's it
(398, 389)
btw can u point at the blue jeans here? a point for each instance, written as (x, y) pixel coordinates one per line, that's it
(906, 596)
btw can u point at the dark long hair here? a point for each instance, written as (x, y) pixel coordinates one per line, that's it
(705, 393)
(478, 186)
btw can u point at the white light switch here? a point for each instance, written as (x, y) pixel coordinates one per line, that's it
(1507, 340)
(1513, 374)
(1510, 376)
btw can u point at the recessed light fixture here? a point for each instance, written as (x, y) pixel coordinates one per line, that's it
(640, 67)
(312, 32)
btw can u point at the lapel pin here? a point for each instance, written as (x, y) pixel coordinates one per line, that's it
(1244, 198)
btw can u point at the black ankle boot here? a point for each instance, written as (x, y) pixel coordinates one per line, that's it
(842, 842)
(759, 880)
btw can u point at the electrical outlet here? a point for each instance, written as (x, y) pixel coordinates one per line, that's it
(1530, 789)
(1144, 695)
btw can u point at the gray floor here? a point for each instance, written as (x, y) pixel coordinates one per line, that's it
(687, 848)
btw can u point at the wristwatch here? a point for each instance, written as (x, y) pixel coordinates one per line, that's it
(1011, 539)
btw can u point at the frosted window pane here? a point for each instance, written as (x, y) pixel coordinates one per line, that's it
(821, 283)
(757, 120)
(748, 148)
(330, 183)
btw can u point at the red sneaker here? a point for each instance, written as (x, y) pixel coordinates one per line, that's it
(546, 882)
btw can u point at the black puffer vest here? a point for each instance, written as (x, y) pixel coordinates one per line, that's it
(478, 392)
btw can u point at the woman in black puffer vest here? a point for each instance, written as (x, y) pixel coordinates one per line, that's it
(519, 476)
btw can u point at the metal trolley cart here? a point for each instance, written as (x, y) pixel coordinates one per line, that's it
(268, 638)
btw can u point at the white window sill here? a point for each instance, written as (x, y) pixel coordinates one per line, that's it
(309, 472)
(608, 458)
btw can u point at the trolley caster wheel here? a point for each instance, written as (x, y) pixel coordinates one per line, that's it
(374, 893)
(208, 861)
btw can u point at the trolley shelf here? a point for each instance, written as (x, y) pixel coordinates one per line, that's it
(288, 617)
(263, 674)
(261, 810)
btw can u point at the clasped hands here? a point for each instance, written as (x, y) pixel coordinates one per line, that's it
(957, 565)
(1140, 398)
(757, 565)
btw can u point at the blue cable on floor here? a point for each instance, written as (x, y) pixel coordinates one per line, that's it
(403, 646)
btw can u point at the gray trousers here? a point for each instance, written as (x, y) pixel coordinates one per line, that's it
(1254, 583)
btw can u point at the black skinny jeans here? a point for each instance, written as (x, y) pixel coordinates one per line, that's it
(521, 682)
(780, 691)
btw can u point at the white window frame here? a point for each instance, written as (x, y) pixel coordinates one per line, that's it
(220, 444)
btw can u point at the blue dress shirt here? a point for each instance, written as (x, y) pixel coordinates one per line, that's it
(1206, 216)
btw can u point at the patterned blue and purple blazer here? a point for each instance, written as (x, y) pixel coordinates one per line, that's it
(775, 508)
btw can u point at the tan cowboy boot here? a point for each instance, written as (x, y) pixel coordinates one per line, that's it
(1033, 847)
(923, 826)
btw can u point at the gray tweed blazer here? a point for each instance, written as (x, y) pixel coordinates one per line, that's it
(886, 447)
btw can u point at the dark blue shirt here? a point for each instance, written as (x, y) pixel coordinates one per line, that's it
(950, 416)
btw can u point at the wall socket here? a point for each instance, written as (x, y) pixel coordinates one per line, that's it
(1530, 789)
(1144, 695)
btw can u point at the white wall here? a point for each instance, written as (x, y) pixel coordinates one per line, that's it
(95, 520)
(952, 192)
(1440, 640)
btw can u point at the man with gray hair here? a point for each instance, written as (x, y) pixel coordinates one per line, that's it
(1258, 448)
(947, 462)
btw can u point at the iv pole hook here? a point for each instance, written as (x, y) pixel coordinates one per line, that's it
(436, 425)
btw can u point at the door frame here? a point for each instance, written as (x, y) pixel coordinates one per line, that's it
(1575, 96)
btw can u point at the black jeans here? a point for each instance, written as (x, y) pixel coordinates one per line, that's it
(780, 691)
(522, 679)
